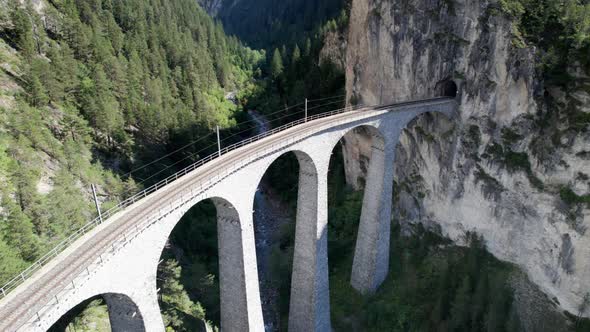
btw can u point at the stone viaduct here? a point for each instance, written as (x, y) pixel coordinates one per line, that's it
(118, 259)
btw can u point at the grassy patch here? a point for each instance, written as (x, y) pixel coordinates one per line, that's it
(425, 135)
(571, 198)
(517, 161)
(579, 121)
(91, 315)
(509, 136)
(513, 161)
(491, 186)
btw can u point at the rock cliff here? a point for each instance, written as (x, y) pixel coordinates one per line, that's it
(214, 6)
(513, 166)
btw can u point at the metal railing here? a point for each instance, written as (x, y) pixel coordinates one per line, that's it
(202, 188)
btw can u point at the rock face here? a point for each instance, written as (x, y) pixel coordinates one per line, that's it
(505, 167)
(212, 6)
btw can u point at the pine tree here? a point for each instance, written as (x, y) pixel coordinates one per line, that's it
(276, 65)
(296, 55)
(37, 95)
(175, 300)
(12, 264)
(19, 231)
(480, 298)
(513, 324)
(461, 305)
(499, 301)
(23, 31)
(307, 50)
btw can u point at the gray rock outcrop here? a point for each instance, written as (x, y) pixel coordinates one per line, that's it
(502, 169)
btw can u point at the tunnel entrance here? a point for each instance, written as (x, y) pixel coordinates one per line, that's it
(448, 88)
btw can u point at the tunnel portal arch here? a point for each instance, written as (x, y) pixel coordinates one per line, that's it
(448, 88)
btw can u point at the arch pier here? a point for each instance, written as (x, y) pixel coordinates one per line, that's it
(371, 255)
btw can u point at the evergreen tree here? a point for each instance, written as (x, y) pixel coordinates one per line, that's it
(479, 302)
(12, 263)
(276, 65)
(307, 50)
(175, 301)
(513, 323)
(296, 55)
(37, 95)
(461, 306)
(23, 31)
(19, 232)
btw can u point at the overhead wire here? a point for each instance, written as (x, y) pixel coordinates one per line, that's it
(226, 138)
(197, 141)
(326, 98)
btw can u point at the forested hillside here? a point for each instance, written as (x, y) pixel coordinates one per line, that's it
(271, 23)
(90, 90)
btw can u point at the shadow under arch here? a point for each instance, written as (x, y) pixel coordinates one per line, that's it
(123, 314)
(365, 224)
(290, 246)
(203, 260)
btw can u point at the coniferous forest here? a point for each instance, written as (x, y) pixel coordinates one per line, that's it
(122, 93)
(96, 89)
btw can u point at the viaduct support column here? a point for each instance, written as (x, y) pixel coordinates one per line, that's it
(371, 255)
(238, 276)
(309, 307)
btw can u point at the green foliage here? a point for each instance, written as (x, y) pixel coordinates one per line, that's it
(513, 161)
(190, 293)
(109, 83)
(579, 120)
(517, 161)
(23, 32)
(272, 23)
(11, 261)
(509, 136)
(89, 316)
(294, 78)
(571, 198)
(178, 311)
(561, 28)
(423, 294)
(276, 64)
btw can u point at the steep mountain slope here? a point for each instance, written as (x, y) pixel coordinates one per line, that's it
(514, 165)
(270, 23)
(91, 89)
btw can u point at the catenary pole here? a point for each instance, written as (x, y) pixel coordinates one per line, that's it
(218, 143)
(305, 109)
(96, 202)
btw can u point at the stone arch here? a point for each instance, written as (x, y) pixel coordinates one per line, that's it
(124, 314)
(304, 160)
(309, 298)
(356, 134)
(231, 260)
(371, 251)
